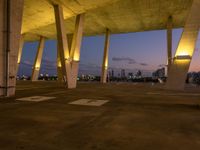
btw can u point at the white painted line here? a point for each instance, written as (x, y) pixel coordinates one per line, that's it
(35, 98)
(89, 102)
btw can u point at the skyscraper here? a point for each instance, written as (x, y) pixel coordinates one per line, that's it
(123, 74)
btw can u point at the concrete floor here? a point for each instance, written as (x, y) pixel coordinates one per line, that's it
(138, 117)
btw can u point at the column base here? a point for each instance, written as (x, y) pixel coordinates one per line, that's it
(177, 75)
(72, 80)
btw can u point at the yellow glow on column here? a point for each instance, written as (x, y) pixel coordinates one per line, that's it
(106, 64)
(183, 57)
(105, 67)
(185, 49)
(66, 53)
(19, 59)
(182, 53)
(76, 56)
(68, 60)
(37, 66)
(59, 64)
(182, 61)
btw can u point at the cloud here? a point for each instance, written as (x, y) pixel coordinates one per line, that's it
(162, 65)
(127, 59)
(90, 65)
(132, 62)
(122, 59)
(26, 63)
(48, 60)
(143, 64)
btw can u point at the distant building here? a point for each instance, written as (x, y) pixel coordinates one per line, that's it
(123, 74)
(118, 74)
(112, 73)
(87, 77)
(194, 77)
(159, 73)
(138, 74)
(130, 75)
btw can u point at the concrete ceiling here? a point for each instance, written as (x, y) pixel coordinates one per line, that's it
(120, 16)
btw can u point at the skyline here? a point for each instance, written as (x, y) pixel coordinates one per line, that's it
(127, 51)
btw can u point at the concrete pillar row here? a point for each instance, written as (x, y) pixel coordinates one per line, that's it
(169, 42)
(38, 60)
(21, 45)
(105, 57)
(181, 61)
(10, 32)
(68, 53)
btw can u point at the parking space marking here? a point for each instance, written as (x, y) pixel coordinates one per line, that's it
(89, 102)
(35, 98)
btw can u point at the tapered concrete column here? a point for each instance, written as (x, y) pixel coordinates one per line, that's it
(69, 41)
(75, 50)
(181, 62)
(38, 60)
(59, 67)
(77, 38)
(63, 49)
(105, 57)
(69, 57)
(169, 42)
(21, 44)
(10, 31)
(74, 74)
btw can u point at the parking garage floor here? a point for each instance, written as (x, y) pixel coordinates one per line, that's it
(129, 116)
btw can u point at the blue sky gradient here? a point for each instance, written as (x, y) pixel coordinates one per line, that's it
(144, 51)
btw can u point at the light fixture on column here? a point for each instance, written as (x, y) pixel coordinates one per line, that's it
(37, 66)
(183, 57)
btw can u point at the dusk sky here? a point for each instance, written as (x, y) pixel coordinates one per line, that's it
(146, 51)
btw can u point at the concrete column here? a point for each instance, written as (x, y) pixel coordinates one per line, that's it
(38, 60)
(21, 44)
(69, 55)
(10, 31)
(75, 50)
(169, 42)
(59, 67)
(69, 41)
(105, 57)
(181, 62)
(63, 49)
(77, 38)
